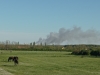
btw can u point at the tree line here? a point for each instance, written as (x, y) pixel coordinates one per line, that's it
(78, 49)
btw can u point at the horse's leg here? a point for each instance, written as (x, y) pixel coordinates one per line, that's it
(16, 61)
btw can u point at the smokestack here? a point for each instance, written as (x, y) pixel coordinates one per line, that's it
(72, 36)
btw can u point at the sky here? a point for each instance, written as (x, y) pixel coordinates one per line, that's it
(29, 21)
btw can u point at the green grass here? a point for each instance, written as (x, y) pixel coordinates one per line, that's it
(49, 63)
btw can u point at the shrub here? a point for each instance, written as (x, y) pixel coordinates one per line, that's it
(80, 52)
(95, 53)
(75, 52)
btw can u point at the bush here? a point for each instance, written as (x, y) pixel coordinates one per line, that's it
(75, 52)
(80, 52)
(95, 53)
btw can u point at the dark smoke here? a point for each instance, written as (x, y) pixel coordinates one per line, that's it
(72, 36)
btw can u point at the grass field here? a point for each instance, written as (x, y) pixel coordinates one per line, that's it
(49, 63)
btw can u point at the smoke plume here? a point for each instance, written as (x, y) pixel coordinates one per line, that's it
(72, 36)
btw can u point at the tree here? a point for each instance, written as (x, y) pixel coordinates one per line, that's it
(33, 44)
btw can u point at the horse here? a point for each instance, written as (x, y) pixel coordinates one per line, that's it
(10, 58)
(14, 59)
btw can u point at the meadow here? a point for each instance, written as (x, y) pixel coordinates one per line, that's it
(49, 63)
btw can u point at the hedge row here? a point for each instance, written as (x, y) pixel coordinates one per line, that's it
(87, 52)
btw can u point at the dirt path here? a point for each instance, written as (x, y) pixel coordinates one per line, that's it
(3, 72)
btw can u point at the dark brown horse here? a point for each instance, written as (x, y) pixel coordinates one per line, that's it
(15, 59)
(10, 58)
